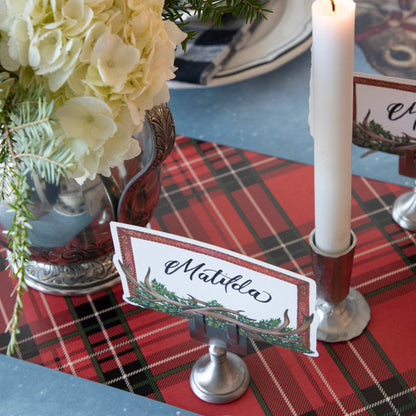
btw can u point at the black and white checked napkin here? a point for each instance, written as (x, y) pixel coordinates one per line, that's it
(209, 51)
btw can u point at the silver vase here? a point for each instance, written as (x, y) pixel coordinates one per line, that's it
(72, 247)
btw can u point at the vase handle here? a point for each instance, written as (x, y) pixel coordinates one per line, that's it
(140, 195)
(161, 123)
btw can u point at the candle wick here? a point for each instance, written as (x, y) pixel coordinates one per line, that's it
(333, 5)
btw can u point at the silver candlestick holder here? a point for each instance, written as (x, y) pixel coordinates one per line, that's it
(220, 376)
(404, 208)
(342, 311)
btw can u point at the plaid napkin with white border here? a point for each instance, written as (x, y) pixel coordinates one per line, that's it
(210, 50)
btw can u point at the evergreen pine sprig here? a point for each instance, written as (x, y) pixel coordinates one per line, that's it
(213, 11)
(27, 147)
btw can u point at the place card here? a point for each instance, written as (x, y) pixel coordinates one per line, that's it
(384, 113)
(183, 277)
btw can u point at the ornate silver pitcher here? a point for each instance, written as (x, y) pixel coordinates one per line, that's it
(72, 247)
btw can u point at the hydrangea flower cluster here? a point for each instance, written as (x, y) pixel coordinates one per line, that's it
(103, 62)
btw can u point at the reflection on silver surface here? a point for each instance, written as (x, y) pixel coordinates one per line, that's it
(219, 376)
(344, 320)
(71, 241)
(404, 211)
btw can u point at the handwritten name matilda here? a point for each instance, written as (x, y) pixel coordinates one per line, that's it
(217, 277)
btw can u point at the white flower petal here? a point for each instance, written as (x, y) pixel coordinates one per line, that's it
(175, 35)
(7, 62)
(69, 59)
(76, 80)
(136, 115)
(77, 17)
(39, 9)
(87, 118)
(114, 59)
(50, 46)
(91, 38)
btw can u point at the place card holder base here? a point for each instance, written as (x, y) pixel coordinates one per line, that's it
(404, 208)
(342, 311)
(220, 376)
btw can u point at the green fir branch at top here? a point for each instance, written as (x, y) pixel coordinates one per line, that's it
(213, 11)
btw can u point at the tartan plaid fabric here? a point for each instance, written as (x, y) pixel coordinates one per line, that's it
(263, 207)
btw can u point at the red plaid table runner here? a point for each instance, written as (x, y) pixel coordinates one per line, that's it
(260, 206)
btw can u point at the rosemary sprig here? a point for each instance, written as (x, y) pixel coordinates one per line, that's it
(19, 253)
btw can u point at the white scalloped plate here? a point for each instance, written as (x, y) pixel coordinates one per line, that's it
(285, 35)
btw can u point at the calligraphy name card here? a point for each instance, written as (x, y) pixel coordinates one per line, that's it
(384, 112)
(183, 277)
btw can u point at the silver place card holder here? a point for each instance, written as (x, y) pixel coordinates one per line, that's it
(220, 376)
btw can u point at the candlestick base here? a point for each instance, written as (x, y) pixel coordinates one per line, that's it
(342, 311)
(404, 211)
(344, 320)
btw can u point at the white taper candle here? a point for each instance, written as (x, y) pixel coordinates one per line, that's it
(331, 120)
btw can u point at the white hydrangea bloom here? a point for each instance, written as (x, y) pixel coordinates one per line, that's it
(114, 60)
(91, 37)
(77, 17)
(45, 51)
(104, 62)
(21, 31)
(87, 118)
